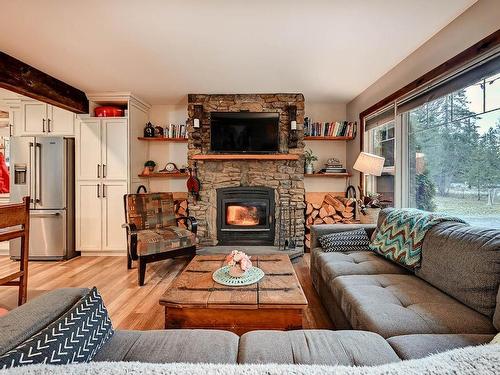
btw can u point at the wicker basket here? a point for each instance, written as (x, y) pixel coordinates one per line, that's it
(370, 217)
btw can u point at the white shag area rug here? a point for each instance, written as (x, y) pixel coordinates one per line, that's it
(477, 360)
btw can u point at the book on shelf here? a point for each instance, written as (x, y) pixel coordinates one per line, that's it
(175, 131)
(333, 170)
(330, 129)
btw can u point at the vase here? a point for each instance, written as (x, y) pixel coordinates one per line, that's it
(309, 169)
(236, 271)
(370, 216)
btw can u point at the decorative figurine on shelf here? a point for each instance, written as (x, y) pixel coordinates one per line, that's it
(169, 168)
(149, 130)
(159, 132)
(309, 158)
(239, 262)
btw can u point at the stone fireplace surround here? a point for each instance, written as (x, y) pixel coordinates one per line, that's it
(285, 176)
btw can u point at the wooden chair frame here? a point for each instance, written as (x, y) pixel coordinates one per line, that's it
(15, 223)
(191, 224)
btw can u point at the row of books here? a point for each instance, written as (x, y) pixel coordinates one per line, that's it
(175, 131)
(330, 129)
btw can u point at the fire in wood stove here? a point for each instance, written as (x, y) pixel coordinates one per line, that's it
(242, 215)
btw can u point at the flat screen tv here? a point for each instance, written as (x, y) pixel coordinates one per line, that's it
(244, 132)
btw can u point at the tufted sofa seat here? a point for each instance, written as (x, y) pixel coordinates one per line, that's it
(394, 305)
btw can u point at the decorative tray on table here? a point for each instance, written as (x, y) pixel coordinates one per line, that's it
(250, 277)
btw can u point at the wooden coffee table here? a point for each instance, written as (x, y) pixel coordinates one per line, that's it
(194, 300)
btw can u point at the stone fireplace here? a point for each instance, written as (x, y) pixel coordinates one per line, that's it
(241, 197)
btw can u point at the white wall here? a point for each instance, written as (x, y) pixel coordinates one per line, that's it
(477, 22)
(164, 152)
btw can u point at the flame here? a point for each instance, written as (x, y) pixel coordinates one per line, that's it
(242, 215)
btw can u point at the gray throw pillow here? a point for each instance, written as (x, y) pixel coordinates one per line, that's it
(75, 337)
(352, 240)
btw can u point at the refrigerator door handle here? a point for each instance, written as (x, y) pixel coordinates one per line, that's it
(31, 157)
(38, 172)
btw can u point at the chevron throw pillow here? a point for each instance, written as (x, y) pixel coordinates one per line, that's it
(352, 240)
(73, 338)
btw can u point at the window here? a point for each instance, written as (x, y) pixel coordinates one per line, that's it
(442, 149)
(381, 141)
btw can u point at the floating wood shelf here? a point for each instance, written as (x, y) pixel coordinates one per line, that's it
(162, 139)
(164, 175)
(246, 157)
(310, 138)
(329, 175)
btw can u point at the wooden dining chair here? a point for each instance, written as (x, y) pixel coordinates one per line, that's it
(15, 223)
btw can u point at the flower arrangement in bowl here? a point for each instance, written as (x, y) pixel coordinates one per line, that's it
(239, 263)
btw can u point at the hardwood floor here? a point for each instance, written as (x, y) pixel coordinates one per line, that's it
(131, 306)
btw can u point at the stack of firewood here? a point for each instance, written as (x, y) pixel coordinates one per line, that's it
(181, 210)
(332, 210)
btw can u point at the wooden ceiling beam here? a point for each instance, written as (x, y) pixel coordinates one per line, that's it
(23, 79)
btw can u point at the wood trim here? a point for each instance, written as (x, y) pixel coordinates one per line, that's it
(485, 45)
(315, 138)
(23, 79)
(246, 157)
(162, 139)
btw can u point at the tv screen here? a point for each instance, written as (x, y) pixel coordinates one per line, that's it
(244, 132)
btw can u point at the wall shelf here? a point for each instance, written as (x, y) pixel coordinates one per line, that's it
(319, 138)
(246, 157)
(163, 139)
(329, 175)
(164, 175)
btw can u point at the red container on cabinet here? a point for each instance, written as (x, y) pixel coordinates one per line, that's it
(108, 111)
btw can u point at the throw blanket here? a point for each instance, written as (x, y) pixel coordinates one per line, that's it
(401, 235)
(467, 361)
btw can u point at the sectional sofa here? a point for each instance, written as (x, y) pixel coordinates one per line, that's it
(451, 301)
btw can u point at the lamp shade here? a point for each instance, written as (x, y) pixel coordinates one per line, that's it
(369, 164)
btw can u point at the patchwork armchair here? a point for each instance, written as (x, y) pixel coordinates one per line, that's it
(153, 232)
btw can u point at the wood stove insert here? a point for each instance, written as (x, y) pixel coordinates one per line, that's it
(245, 216)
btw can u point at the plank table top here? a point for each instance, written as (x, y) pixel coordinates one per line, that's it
(195, 288)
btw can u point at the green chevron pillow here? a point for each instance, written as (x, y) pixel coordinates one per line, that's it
(73, 338)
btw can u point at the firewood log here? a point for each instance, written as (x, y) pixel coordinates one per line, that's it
(349, 209)
(337, 218)
(329, 220)
(331, 200)
(347, 215)
(309, 209)
(331, 210)
(316, 206)
(314, 214)
(323, 213)
(318, 221)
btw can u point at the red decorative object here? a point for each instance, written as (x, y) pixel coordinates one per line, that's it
(108, 111)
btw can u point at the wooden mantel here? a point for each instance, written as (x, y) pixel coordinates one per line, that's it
(246, 157)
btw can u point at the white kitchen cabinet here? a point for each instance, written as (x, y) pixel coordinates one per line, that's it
(88, 221)
(100, 216)
(40, 119)
(103, 149)
(114, 236)
(114, 149)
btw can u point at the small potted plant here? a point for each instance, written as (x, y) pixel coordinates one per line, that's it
(309, 158)
(370, 206)
(239, 263)
(149, 167)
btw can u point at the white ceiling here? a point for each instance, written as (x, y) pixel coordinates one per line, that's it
(162, 50)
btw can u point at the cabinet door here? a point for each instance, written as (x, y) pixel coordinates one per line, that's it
(34, 118)
(15, 120)
(114, 149)
(89, 150)
(89, 216)
(60, 121)
(114, 236)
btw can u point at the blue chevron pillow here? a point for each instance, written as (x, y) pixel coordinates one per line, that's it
(352, 240)
(73, 338)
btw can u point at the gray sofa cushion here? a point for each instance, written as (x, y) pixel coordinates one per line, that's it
(496, 315)
(350, 348)
(332, 265)
(419, 346)
(464, 262)
(30, 318)
(166, 346)
(393, 305)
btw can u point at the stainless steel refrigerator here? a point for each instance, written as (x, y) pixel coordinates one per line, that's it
(44, 169)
